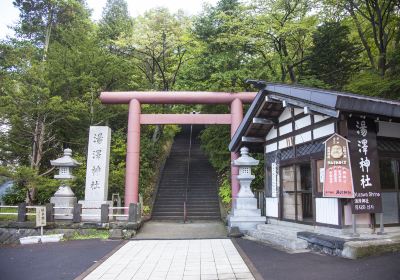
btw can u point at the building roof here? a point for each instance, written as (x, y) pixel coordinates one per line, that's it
(271, 99)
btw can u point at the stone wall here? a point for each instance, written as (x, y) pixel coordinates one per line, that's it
(11, 232)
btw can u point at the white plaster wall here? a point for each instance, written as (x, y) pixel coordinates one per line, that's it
(271, 147)
(287, 142)
(285, 129)
(298, 111)
(303, 137)
(271, 206)
(286, 114)
(303, 122)
(325, 130)
(318, 118)
(327, 211)
(272, 133)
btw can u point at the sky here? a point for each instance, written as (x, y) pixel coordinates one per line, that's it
(9, 14)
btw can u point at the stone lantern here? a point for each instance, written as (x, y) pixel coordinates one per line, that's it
(245, 214)
(64, 196)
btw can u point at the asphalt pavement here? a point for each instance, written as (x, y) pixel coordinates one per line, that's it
(69, 259)
(272, 264)
(52, 261)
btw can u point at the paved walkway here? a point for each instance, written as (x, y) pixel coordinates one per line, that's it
(174, 230)
(174, 259)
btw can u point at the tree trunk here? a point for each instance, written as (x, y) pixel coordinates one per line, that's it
(37, 145)
(361, 35)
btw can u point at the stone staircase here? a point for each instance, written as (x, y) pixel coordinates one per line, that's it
(193, 182)
(282, 235)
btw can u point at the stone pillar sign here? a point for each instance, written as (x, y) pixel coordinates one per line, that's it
(96, 189)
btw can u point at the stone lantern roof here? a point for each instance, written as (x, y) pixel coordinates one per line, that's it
(245, 159)
(65, 160)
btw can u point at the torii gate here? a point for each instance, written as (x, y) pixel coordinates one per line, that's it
(135, 119)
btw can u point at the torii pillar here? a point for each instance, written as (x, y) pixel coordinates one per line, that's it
(135, 119)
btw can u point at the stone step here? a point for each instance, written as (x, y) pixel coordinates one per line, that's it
(282, 237)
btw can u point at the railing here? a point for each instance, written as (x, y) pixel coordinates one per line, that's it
(105, 212)
(187, 176)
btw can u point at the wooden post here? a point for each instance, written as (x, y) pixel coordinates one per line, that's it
(104, 213)
(50, 212)
(77, 212)
(22, 212)
(133, 210)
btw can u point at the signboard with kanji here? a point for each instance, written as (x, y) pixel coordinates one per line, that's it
(40, 216)
(338, 180)
(365, 165)
(274, 179)
(98, 163)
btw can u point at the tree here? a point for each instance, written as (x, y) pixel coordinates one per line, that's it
(333, 58)
(115, 21)
(159, 43)
(377, 24)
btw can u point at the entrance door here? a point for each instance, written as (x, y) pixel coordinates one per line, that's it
(297, 199)
(389, 173)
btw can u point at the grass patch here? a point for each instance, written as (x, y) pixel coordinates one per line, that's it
(90, 234)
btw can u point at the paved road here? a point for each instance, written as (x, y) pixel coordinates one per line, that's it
(52, 261)
(66, 260)
(276, 265)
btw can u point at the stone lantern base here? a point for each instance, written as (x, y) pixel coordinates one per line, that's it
(64, 197)
(245, 214)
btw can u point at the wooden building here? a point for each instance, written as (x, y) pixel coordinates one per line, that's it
(289, 124)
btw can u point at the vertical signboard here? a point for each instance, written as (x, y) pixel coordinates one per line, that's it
(40, 216)
(98, 163)
(365, 165)
(274, 179)
(338, 180)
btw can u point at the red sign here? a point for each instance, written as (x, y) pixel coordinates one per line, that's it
(338, 179)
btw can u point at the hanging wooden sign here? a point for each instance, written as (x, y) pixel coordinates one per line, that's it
(338, 179)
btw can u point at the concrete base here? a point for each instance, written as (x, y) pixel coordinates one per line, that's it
(63, 214)
(245, 214)
(92, 213)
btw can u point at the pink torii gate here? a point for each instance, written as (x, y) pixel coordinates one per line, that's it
(135, 119)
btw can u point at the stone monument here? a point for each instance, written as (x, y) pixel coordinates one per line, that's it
(64, 196)
(245, 214)
(96, 188)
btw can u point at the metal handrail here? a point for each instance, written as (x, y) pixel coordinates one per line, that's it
(187, 174)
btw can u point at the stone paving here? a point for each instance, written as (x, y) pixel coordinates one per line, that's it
(174, 259)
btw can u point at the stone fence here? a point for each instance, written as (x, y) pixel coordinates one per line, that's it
(17, 224)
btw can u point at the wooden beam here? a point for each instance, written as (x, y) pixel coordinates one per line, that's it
(263, 121)
(323, 110)
(252, 139)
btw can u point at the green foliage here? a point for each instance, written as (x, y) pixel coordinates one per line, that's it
(26, 181)
(225, 191)
(333, 57)
(53, 70)
(215, 140)
(372, 84)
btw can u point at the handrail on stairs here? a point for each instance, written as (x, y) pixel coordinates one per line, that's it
(187, 176)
